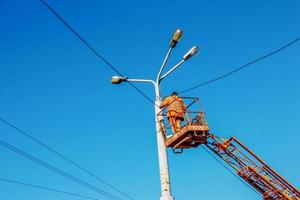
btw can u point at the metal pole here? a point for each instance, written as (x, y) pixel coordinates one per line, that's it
(162, 151)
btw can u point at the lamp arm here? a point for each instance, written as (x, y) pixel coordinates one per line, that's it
(171, 70)
(140, 80)
(163, 64)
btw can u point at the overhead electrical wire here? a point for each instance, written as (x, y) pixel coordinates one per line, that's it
(47, 189)
(64, 157)
(184, 91)
(108, 64)
(84, 41)
(58, 171)
(241, 67)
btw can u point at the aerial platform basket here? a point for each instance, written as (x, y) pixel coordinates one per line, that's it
(194, 128)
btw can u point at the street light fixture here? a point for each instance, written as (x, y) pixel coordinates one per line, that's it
(118, 79)
(162, 151)
(176, 37)
(192, 52)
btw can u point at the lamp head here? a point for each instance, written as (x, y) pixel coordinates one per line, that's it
(118, 79)
(192, 52)
(176, 37)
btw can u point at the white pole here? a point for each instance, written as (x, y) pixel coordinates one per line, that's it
(162, 152)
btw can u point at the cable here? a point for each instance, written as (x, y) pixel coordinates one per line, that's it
(241, 67)
(58, 171)
(229, 170)
(63, 157)
(84, 41)
(48, 189)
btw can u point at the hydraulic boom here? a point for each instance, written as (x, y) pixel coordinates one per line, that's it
(252, 169)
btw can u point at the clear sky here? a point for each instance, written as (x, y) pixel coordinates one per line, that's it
(54, 88)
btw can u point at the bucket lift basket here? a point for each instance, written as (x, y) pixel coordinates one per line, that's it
(194, 127)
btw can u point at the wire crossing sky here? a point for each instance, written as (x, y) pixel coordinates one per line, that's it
(242, 67)
(58, 171)
(93, 49)
(47, 189)
(52, 87)
(62, 156)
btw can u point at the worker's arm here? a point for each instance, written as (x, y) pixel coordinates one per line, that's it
(165, 103)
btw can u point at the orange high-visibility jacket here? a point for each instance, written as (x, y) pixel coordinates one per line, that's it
(175, 105)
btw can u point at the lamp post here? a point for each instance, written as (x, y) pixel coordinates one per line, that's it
(162, 151)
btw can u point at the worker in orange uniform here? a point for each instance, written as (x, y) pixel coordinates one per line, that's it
(175, 110)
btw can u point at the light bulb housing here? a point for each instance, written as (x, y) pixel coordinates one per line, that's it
(118, 79)
(192, 52)
(176, 37)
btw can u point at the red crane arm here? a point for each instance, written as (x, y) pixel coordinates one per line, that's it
(252, 169)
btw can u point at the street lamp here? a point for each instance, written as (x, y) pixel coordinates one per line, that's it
(117, 79)
(162, 151)
(192, 52)
(176, 37)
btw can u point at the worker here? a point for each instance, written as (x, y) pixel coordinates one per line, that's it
(175, 110)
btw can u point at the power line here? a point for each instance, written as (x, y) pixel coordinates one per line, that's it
(63, 157)
(242, 67)
(184, 91)
(236, 176)
(58, 171)
(47, 189)
(84, 41)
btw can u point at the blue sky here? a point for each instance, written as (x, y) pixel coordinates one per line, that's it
(54, 88)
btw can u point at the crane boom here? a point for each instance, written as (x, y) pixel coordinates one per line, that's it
(252, 169)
